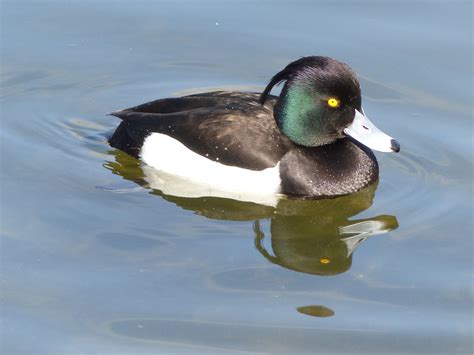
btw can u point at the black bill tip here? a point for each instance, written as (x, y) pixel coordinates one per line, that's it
(395, 146)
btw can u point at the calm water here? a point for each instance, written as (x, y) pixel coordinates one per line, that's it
(94, 262)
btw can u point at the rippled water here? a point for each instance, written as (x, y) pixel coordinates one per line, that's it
(95, 262)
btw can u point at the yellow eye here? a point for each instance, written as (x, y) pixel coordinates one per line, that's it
(324, 261)
(333, 102)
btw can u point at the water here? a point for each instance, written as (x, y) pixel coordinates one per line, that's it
(94, 262)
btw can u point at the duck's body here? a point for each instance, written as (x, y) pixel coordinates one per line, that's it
(239, 141)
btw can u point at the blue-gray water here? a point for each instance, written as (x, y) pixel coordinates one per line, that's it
(92, 262)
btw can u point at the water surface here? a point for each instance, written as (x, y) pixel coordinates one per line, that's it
(92, 261)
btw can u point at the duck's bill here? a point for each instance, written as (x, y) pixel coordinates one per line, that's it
(365, 132)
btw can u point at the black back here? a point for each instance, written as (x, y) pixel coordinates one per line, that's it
(229, 127)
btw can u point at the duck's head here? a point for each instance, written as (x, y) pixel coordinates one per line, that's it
(321, 102)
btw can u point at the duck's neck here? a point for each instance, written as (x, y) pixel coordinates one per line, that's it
(300, 117)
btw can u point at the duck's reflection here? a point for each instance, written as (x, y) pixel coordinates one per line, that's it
(303, 244)
(310, 236)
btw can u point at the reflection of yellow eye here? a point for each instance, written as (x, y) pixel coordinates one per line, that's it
(324, 261)
(333, 102)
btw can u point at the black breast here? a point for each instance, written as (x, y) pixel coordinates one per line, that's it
(332, 170)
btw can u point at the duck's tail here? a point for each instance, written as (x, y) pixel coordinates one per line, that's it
(121, 139)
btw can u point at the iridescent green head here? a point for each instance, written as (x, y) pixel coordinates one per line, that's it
(319, 100)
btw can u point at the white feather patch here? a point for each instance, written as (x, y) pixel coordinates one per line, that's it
(176, 170)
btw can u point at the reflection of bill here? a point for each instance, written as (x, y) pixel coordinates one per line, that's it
(365, 229)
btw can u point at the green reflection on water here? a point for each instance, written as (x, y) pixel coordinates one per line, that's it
(316, 311)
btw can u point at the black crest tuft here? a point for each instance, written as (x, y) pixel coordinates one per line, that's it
(323, 69)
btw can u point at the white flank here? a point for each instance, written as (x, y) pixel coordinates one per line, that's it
(178, 171)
